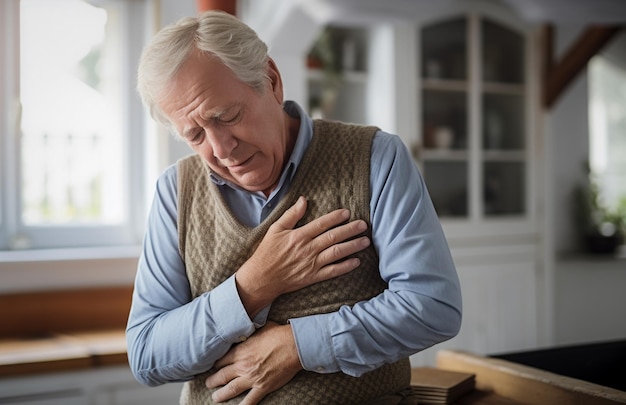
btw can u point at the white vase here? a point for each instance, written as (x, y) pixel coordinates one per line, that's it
(444, 137)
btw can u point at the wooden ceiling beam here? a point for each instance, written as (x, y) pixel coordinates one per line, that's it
(558, 75)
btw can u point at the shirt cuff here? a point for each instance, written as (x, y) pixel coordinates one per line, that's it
(261, 318)
(314, 343)
(232, 320)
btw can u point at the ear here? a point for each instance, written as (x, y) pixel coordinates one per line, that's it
(276, 81)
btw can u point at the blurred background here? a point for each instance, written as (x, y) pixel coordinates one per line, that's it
(513, 110)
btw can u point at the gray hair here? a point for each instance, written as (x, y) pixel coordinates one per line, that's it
(214, 32)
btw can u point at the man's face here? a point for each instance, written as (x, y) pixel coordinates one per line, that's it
(241, 133)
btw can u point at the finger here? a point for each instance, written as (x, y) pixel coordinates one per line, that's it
(220, 378)
(322, 224)
(340, 251)
(337, 269)
(291, 217)
(340, 234)
(253, 397)
(231, 390)
(227, 359)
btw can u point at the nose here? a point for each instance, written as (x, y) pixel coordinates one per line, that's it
(222, 142)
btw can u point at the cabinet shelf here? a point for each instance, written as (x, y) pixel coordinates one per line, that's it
(503, 88)
(350, 76)
(444, 155)
(444, 85)
(504, 156)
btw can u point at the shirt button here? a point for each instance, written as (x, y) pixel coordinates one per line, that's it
(320, 368)
(243, 338)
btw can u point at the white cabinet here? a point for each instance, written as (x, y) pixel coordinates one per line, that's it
(476, 101)
(477, 98)
(500, 301)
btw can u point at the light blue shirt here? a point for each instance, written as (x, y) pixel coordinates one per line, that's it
(171, 337)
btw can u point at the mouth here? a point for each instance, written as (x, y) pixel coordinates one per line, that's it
(240, 167)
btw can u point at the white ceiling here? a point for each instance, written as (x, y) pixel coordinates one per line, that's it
(538, 11)
(571, 11)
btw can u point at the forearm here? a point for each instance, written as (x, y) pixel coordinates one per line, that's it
(167, 345)
(358, 339)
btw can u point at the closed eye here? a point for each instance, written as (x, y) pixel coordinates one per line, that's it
(197, 138)
(227, 119)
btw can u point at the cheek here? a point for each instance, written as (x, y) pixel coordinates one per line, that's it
(267, 127)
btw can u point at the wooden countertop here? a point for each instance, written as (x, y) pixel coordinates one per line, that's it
(62, 352)
(512, 383)
(58, 330)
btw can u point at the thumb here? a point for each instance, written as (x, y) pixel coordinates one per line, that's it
(291, 217)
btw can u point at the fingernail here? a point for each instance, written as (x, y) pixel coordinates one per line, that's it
(362, 225)
(365, 242)
(345, 214)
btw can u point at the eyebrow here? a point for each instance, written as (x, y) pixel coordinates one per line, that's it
(218, 114)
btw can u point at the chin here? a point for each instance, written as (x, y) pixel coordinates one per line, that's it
(256, 188)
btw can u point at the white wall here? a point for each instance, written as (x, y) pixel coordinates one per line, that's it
(587, 291)
(589, 300)
(567, 130)
(567, 133)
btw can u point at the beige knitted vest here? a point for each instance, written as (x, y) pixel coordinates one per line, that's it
(334, 173)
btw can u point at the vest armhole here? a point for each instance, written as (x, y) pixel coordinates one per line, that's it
(183, 169)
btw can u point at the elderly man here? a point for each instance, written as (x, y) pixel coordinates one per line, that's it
(287, 260)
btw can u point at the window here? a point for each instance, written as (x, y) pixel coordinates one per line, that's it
(607, 144)
(71, 120)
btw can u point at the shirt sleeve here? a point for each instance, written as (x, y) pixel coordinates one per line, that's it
(422, 304)
(171, 337)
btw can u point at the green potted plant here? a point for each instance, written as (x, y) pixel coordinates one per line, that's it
(602, 228)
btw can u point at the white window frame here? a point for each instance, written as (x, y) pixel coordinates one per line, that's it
(13, 233)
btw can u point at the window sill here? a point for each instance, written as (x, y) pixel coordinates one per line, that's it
(34, 270)
(65, 254)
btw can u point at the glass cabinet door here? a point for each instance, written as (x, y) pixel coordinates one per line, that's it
(473, 156)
